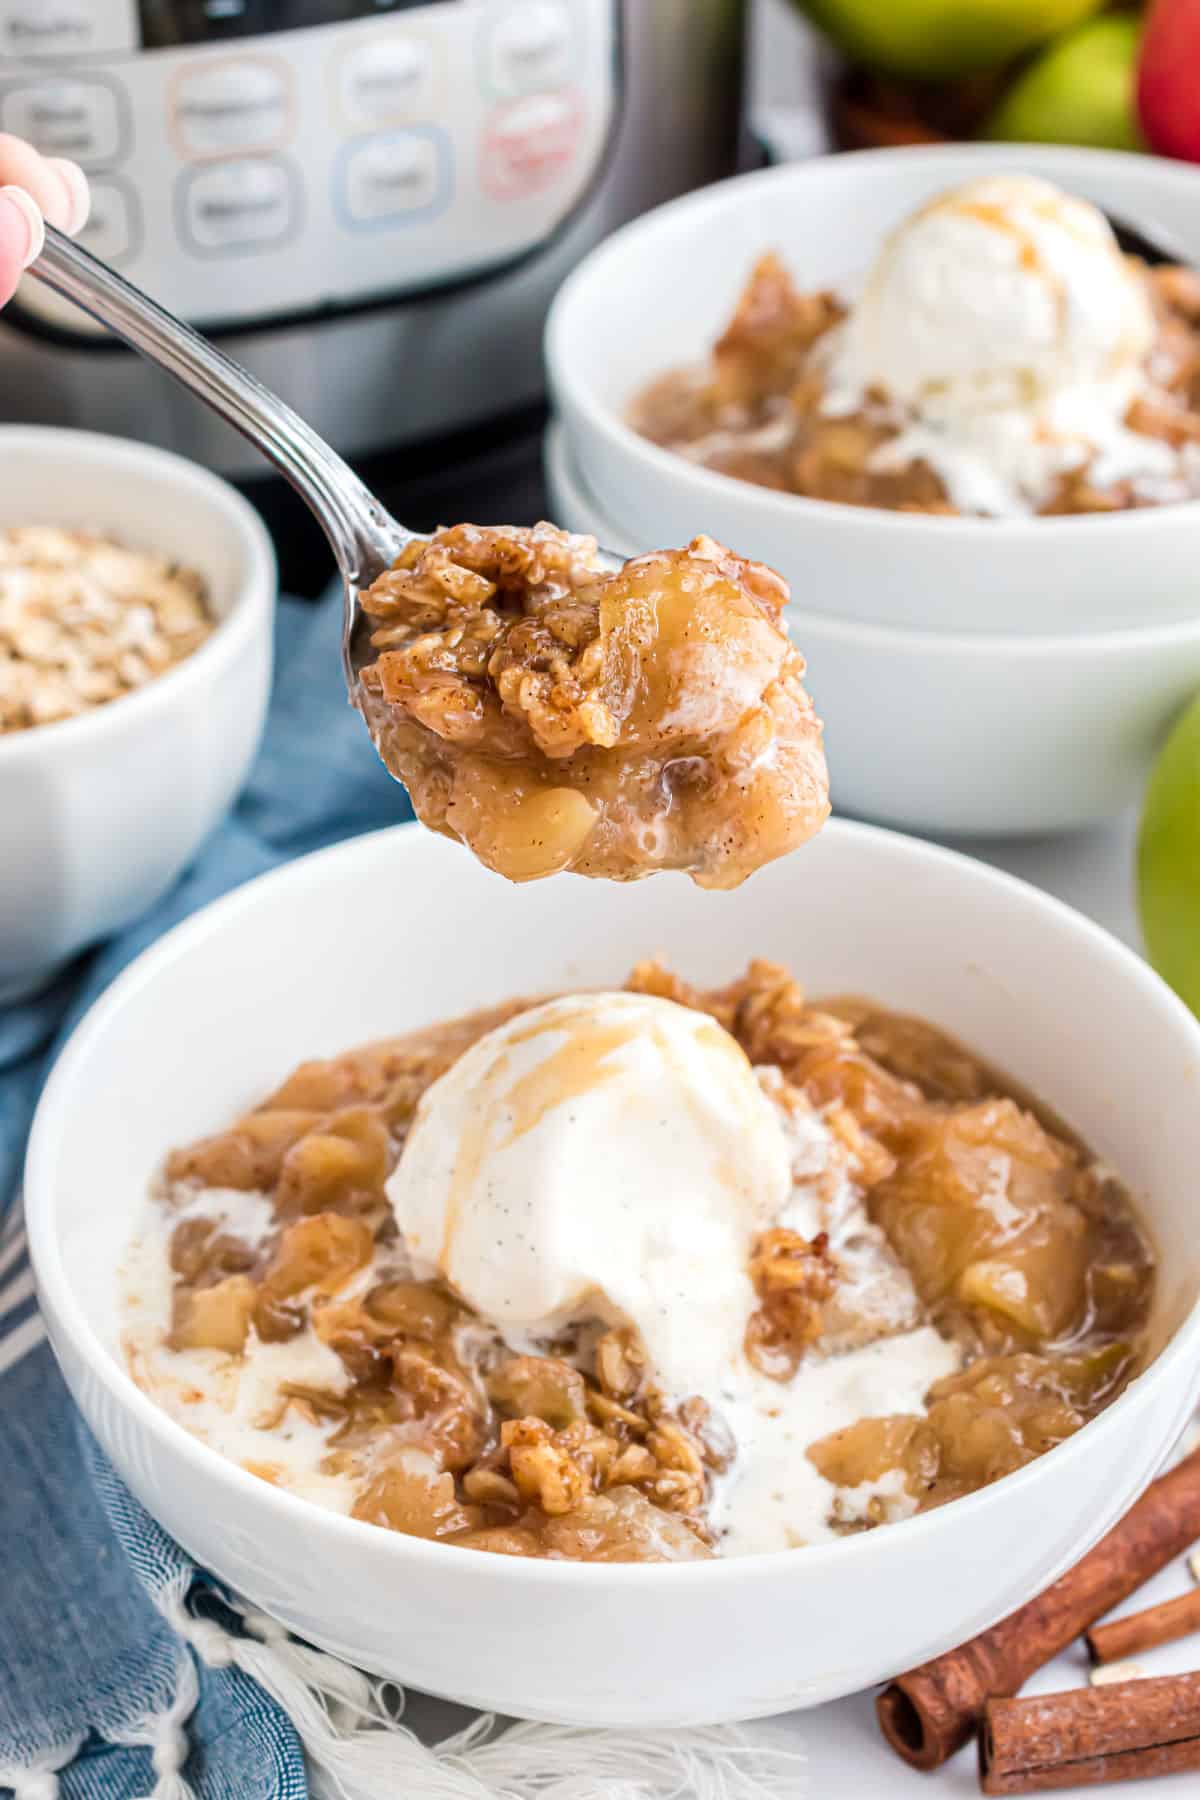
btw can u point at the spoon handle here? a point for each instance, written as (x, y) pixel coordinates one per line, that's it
(364, 538)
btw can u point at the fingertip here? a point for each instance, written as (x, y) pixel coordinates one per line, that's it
(79, 194)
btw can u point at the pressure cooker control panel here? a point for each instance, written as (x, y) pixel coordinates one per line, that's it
(282, 173)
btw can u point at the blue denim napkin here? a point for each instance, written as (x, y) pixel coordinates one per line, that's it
(97, 1605)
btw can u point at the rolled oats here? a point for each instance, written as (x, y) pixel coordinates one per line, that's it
(83, 620)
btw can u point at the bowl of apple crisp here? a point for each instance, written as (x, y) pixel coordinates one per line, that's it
(136, 609)
(924, 384)
(606, 1274)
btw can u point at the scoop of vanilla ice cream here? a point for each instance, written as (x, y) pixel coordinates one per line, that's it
(1001, 293)
(604, 1154)
(1003, 319)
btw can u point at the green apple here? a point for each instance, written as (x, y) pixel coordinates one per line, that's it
(1079, 90)
(1169, 861)
(938, 40)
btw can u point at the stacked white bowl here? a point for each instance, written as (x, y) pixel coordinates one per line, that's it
(976, 676)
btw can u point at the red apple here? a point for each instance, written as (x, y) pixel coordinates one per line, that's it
(1168, 84)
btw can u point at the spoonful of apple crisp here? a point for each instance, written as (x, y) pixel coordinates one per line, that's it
(546, 704)
(556, 713)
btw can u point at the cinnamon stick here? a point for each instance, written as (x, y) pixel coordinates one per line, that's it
(1090, 1736)
(1160, 1624)
(929, 1713)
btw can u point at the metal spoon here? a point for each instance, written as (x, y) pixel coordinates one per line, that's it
(364, 538)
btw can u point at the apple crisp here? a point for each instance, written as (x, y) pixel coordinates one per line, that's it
(84, 620)
(553, 715)
(935, 1200)
(760, 409)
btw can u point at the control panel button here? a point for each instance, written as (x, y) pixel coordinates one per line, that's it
(387, 78)
(67, 27)
(394, 177)
(76, 118)
(529, 144)
(529, 47)
(231, 106)
(112, 229)
(249, 204)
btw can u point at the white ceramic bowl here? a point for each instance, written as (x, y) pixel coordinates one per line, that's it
(655, 296)
(209, 1019)
(958, 732)
(99, 814)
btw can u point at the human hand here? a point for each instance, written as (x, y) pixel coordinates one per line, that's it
(34, 188)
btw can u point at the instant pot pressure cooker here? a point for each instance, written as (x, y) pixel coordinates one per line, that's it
(370, 202)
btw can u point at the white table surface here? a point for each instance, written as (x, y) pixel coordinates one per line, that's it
(847, 1759)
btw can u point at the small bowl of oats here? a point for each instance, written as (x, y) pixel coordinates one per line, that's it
(136, 608)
